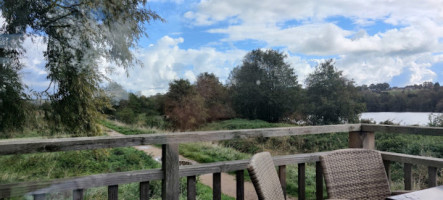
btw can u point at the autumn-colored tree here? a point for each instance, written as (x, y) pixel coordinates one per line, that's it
(215, 95)
(184, 107)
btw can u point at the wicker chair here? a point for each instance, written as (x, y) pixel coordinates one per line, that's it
(264, 177)
(355, 174)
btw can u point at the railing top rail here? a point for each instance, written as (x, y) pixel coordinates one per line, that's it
(417, 130)
(20, 146)
(17, 189)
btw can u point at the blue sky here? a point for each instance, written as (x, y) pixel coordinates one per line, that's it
(372, 41)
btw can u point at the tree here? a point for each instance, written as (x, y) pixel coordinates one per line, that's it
(184, 106)
(116, 92)
(12, 97)
(79, 34)
(332, 99)
(264, 86)
(215, 95)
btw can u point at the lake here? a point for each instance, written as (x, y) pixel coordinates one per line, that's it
(403, 118)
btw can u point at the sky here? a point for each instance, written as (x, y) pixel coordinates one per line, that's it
(372, 41)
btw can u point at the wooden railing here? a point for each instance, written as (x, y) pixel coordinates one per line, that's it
(360, 136)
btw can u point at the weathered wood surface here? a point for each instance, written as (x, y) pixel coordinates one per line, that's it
(17, 189)
(20, 146)
(282, 178)
(407, 175)
(240, 184)
(360, 139)
(77, 194)
(432, 177)
(301, 181)
(170, 168)
(191, 188)
(435, 131)
(113, 192)
(144, 190)
(387, 164)
(216, 186)
(318, 181)
(418, 160)
(39, 196)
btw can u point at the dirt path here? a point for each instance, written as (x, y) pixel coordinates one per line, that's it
(228, 181)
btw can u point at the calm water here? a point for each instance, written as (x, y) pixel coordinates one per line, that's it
(403, 118)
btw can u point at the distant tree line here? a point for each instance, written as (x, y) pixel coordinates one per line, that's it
(426, 97)
(263, 87)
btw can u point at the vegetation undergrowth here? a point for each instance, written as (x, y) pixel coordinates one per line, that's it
(233, 124)
(124, 129)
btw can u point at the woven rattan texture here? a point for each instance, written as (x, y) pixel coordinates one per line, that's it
(355, 174)
(264, 177)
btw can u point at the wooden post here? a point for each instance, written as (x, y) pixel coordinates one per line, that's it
(240, 179)
(144, 190)
(407, 169)
(318, 181)
(39, 196)
(190, 187)
(282, 177)
(170, 166)
(432, 173)
(387, 165)
(216, 186)
(77, 194)
(301, 181)
(113, 192)
(365, 140)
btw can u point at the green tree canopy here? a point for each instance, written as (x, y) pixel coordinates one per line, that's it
(331, 98)
(79, 34)
(264, 86)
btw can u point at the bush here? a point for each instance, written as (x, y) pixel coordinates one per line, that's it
(127, 115)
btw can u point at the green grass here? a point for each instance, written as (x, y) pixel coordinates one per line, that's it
(126, 130)
(207, 153)
(199, 152)
(233, 124)
(48, 166)
(45, 166)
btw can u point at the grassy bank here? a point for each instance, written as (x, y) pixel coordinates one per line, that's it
(126, 129)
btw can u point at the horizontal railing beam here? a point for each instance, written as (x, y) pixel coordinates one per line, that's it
(20, 146)
(411, 159)
(416, 130)
(98, 180)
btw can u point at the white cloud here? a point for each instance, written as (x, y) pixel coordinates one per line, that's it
(272, 11)
(165, 61)
(363, 57)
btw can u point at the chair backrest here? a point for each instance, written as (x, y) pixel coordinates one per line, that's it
(264, 177)
(355, 174)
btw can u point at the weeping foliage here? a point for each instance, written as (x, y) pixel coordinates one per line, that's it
(13, 105)
(13, 100)
(80, 36)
